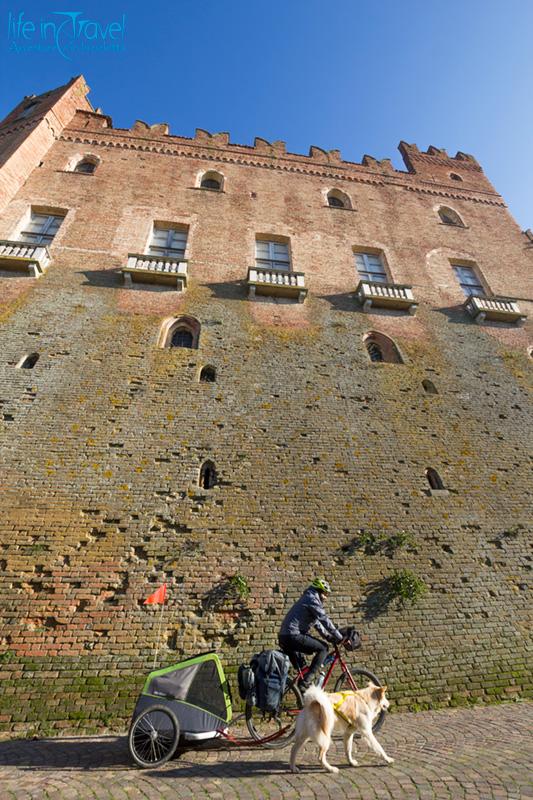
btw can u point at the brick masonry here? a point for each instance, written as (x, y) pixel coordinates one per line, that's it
(102, 441)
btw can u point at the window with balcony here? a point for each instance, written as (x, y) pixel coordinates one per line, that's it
(272, 255)
(167, 241)
(468, 280)
(40, 228)
(370, 267)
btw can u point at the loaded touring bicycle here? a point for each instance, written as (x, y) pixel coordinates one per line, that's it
(191, 701)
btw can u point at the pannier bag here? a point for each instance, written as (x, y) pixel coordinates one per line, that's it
(246, 681)
(271, 669)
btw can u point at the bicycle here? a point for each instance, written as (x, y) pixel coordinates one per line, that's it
(280, 725)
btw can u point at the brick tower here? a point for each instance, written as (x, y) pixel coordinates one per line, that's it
(231, 368)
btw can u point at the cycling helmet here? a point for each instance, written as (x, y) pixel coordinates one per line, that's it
(322, 585)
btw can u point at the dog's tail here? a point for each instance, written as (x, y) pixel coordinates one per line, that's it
(317, 701)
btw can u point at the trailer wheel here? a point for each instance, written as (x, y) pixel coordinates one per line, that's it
(153, 736)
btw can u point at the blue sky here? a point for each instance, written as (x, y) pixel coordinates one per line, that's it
(357, 75)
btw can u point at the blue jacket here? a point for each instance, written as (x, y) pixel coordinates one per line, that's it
(306, 612)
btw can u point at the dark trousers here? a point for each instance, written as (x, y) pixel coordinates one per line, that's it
(300, 643)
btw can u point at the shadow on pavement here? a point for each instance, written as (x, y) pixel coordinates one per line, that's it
(51, 754)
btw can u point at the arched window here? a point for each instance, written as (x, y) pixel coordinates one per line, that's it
(381, 348)
(450, 217)
(29, 361)
(208, 374)
(429, 386)
(338, 199)
(181, 332)
(434, 479)
(455, 177)
(208, 475)
(212, 180)
(181, 337)
(87, 166)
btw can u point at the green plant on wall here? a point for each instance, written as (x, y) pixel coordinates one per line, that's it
(406, 586)
(240, 586)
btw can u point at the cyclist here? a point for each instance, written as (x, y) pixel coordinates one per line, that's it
(294, 638)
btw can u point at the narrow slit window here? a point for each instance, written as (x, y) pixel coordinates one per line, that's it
(29, 361)
(429, 387)
(208, 475)
(434, 479)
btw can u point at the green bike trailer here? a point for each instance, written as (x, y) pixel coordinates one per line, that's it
(195, 690)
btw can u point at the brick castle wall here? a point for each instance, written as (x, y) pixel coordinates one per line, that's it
(317, 449)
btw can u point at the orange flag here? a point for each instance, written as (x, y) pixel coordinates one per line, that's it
(158, 596)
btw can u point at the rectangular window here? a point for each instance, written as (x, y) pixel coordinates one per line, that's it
(469, 281)
(169, 242)
(370, 267)
(272, 255)
(41, 228)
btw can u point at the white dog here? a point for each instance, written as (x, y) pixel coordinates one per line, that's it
(352, 712)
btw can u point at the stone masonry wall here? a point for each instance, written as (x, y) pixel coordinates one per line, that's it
(321, 454)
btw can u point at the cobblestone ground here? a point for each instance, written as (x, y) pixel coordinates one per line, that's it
(468, 753)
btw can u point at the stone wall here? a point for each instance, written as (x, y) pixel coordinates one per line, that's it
(320, 453)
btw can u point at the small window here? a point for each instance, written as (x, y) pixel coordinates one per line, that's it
(429, 386)
(167, 241)
(381, 348)
(213, 181)
(41, 228)
(181, 337)
(86, 166)
(29, 361)
(208, 475)
(434, 479)
(338, 199)
(181, 332)
(450, 217)
(272, 255)
(208, 374)
(468, 280)
(370, 267)
(455, 177)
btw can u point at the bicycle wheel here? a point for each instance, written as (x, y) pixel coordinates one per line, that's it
(262, 725)
(361, 677)
(153, 736)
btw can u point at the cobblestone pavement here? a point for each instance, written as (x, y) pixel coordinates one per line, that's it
(469, 753)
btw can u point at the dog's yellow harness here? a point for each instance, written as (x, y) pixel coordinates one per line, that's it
(338, 704)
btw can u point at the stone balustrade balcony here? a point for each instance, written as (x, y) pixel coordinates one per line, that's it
(276, 283)
(29, 259)
(500, 309)
(386, 295)
(164, 270)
